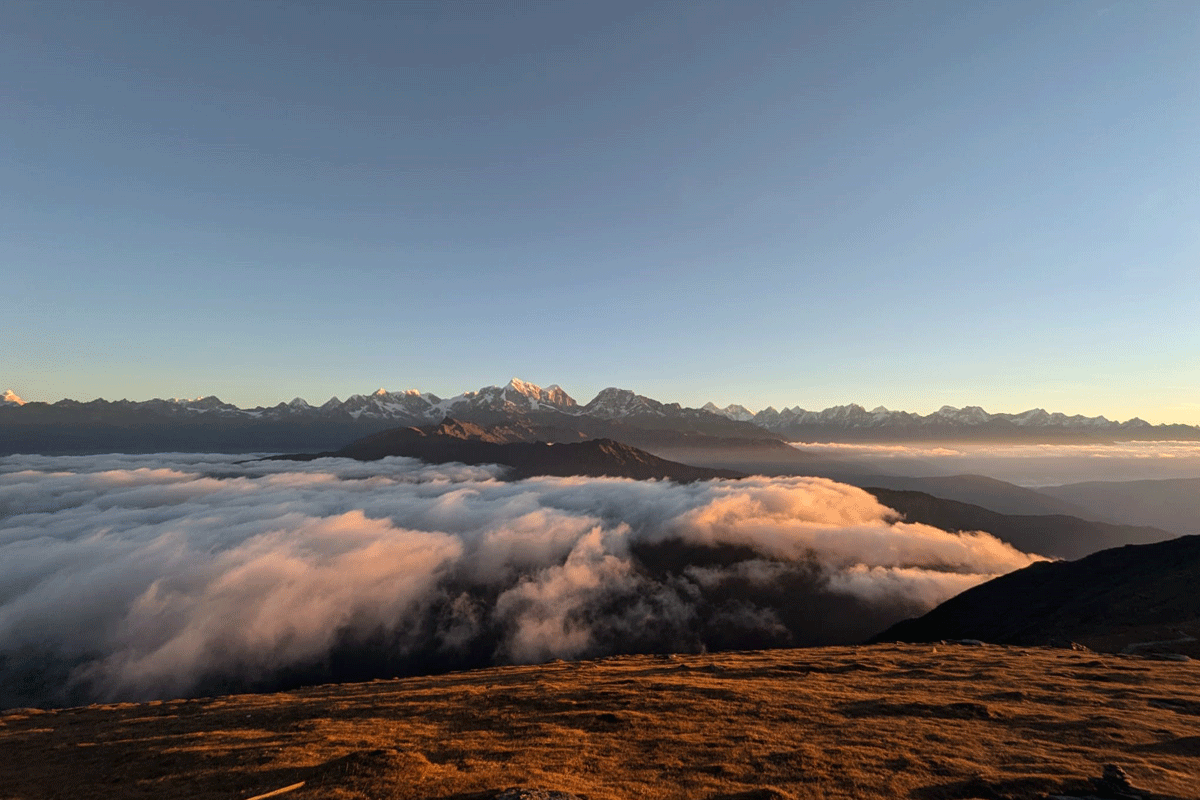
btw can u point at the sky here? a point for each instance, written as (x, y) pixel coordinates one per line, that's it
(907, 204)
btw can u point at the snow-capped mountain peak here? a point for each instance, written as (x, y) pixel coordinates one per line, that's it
(522, 387)
(733, 411)
(201, 405)
(967, 415)
(614, 403)
(523, 401)
(516, 395)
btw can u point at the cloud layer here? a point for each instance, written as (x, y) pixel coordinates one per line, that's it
(1025, 464)
(134, 577)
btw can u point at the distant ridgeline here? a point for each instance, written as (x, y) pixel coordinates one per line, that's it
(451, 441)
(545, 414)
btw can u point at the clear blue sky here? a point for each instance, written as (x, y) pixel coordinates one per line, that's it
(908, 204)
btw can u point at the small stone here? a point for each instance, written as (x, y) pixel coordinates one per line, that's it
(1117, 777)
(528, 793)
(1114, 782)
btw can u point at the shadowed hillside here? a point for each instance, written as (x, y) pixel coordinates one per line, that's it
(1110, 600)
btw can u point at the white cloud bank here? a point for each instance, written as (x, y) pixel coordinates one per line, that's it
(1025, 464)
(128, 577)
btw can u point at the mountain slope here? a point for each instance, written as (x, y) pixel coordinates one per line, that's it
(1173, 504)
(1107, 601)
(454, 441)
(978, 490)
(1054, 535)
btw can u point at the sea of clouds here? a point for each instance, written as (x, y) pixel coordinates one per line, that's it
(138, 577)
(1031, 464)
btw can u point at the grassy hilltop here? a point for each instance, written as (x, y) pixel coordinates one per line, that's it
(885, 721)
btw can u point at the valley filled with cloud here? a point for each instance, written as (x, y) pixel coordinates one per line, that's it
(136, 577)
(1025, 464)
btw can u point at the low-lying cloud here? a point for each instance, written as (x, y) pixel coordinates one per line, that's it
(135, 577)
(1024, 464)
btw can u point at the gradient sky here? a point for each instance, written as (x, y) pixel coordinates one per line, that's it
(906, 204)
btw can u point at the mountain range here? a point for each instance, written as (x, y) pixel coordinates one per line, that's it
(801, 423)
(548, 414)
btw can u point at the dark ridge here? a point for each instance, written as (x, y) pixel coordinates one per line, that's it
(90, 428)
(979, 490)
(1055, 535)
(466, 443)
(1108, 601)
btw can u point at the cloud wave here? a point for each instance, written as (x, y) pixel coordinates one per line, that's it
(136, 577)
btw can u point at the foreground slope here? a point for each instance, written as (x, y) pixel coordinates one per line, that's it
(870, 722)
(1114, 599)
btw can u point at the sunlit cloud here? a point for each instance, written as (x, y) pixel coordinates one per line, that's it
(159, 576)
(879, 450)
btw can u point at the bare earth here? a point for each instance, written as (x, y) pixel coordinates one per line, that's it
(886, 721)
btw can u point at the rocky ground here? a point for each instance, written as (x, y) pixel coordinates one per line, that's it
(885, 721)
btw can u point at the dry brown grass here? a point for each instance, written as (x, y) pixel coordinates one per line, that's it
(870, 722)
